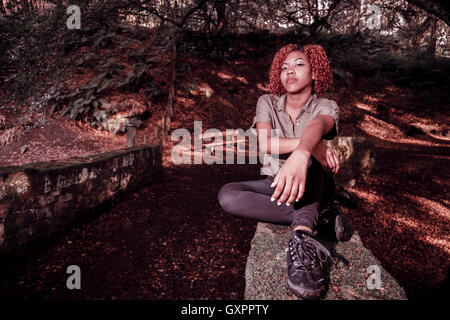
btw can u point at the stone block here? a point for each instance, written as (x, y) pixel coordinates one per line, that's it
(15, 185)
(67, 197)
(47, 199)
(2, 233)
(41, 227)
(4, 208)
(61, 208)
(114, 182)
(19, 219)
(43, 213)
(266, 269)
(356, 156)
(23, 234)
(124, 181)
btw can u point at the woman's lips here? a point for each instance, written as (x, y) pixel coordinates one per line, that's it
(291, 80)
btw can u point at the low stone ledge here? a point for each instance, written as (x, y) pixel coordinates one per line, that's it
(356, 156)
(349, 276)
(40, 199)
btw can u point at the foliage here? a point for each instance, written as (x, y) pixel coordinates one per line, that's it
(36, 46)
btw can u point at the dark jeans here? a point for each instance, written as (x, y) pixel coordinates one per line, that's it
(251, 199)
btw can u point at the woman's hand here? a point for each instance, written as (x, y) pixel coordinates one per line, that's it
(327, 158)
(291, 177)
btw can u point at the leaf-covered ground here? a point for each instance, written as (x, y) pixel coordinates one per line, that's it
(172, 240)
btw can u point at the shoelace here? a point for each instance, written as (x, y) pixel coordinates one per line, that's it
(309, 247)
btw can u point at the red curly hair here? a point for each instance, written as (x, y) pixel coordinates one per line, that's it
(317, 59)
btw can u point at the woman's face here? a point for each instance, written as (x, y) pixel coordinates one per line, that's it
(296, 73)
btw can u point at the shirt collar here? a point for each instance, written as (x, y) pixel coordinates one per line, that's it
(281, 103)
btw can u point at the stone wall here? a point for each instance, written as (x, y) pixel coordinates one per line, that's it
(41, 199)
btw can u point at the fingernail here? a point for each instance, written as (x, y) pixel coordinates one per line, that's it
(287, 204)
(279, 203)
(272, 184)
(272, 199)
(296, 200)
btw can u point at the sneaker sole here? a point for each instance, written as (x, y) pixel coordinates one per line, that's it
(306, 294)
(343, 228)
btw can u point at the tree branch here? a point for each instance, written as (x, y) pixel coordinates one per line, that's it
(440, 8)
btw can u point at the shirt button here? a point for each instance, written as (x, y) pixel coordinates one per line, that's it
(297, 124)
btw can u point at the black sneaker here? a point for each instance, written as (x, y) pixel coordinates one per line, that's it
(307, 272)
(332, 225)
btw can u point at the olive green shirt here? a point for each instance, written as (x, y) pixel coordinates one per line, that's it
(272, 109)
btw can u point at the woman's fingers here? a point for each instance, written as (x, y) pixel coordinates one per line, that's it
(294, 193)
(279, 188)
(275, 180)
(301, 190)
(331, 160)
(287, 190)
(323, 162)
(337, 162)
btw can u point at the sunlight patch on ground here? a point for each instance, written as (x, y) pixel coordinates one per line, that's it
(184, 100)
(367, 196)
(371, 99)
(435, 234)
(428, 205)
(432, 129)
(263, 87)
(365, 107)
(242, 79)
(380, 128)
(435, 128)
(428, 234)
(409, 223)
(444, 244)
(394, 90)
(224, 76)
(205, 89)
(388, 132)
(224, 102)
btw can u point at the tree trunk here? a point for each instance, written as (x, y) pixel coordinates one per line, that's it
(433, 37)
(220, 6)
(207, 19)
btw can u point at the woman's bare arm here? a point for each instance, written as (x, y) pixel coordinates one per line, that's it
(313, 132)
(285, 145)
(290, 179)
(267, 142)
